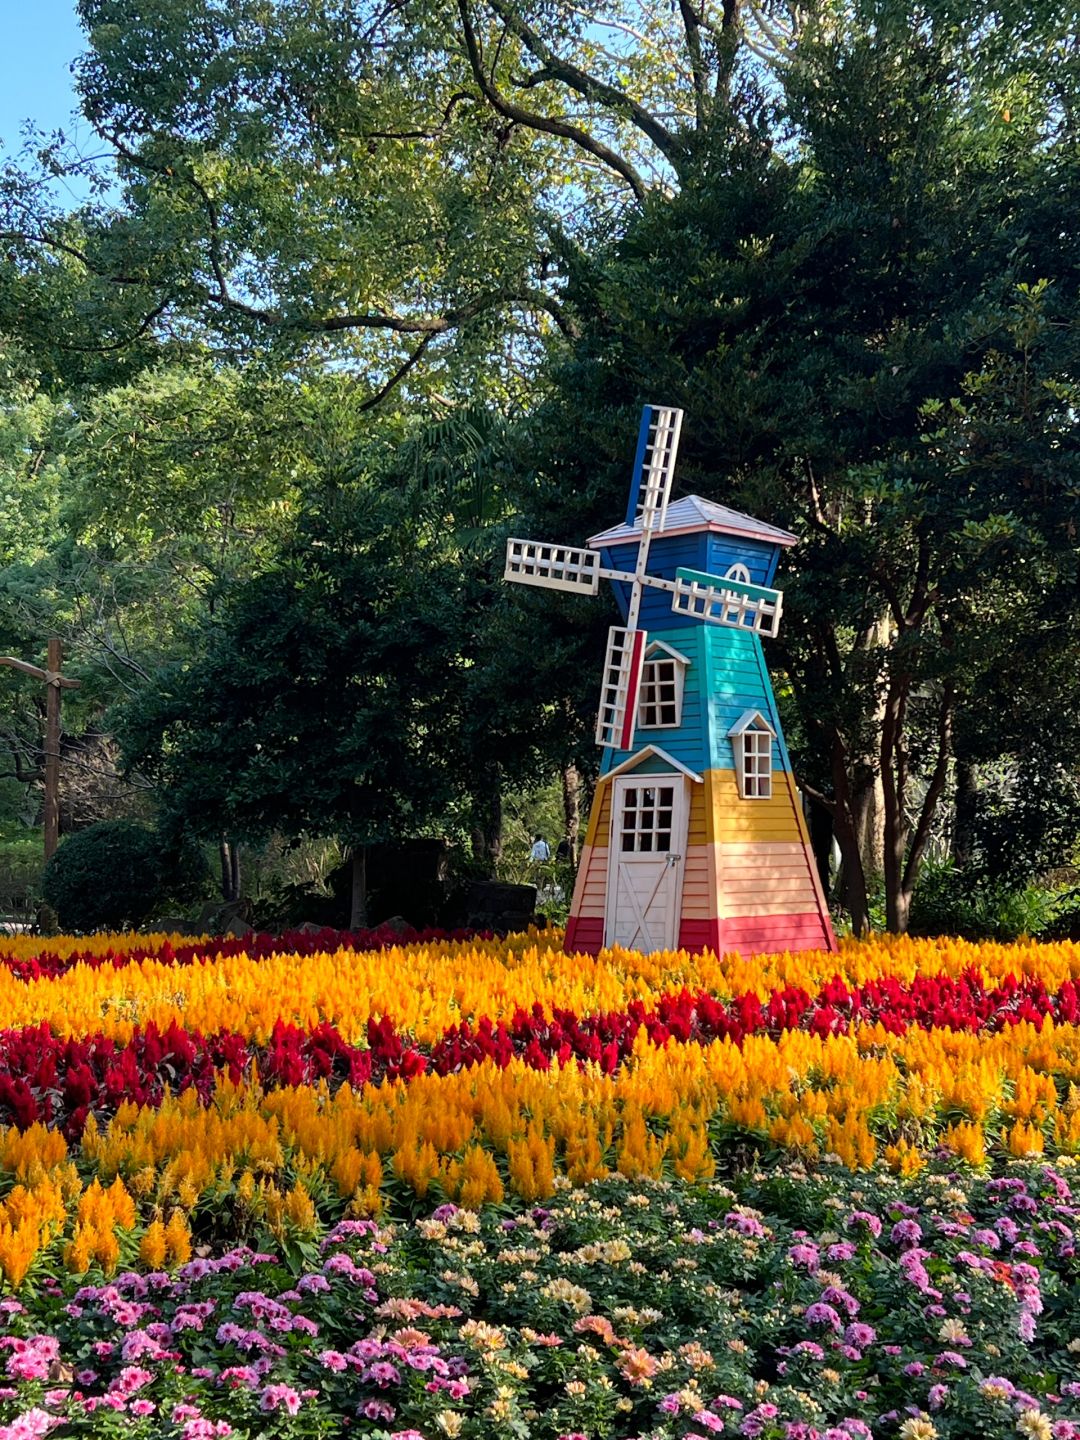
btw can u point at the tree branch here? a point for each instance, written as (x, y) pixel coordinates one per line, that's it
(934, 790)
(398, 375)
(544, 123)
(591, 88)
(692, 29)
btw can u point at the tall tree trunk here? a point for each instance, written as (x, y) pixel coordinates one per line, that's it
(853, 876)
(819, 822)
(894, 780)
(905, 848)
(487, 819)
(358, 889)
(967, 791)
(571, 799)
(230, 870)
(868, 810)
(868, 789)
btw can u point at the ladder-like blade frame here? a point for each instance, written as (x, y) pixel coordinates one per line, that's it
(721, 601)
(622, 681)
(654, 467)
(553, 567)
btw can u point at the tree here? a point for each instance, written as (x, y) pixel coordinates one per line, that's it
(327, 695)
(873, 325)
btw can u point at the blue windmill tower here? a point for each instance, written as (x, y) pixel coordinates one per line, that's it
(696, 837)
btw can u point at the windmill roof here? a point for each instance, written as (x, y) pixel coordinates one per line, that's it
(694, 513)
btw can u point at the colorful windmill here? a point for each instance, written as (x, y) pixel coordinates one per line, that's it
(696, 837)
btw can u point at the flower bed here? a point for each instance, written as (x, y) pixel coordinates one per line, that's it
(60, 1081)
(785, 1306)
(171, 1113)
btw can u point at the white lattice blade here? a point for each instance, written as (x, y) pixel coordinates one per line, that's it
(553, 567)
(734, 603)
(622, 680)
(658, 446)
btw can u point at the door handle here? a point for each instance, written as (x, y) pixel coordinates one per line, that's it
(673, 859)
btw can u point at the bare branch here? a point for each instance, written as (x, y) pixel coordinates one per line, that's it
(934, 790)
(692, 29)
(592, 88)
(544, 123)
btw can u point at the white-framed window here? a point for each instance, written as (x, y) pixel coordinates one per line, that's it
(752, 741)
(661, 686)
(660, 697)
(645, 823)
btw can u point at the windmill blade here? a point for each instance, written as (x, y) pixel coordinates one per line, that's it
(654, 467)
(553, 567)
(619, 694)
(722, 600)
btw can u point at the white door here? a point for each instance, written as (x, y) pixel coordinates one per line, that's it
(649, 815)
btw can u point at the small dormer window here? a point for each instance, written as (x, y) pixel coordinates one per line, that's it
(752, 741)
(660, 696)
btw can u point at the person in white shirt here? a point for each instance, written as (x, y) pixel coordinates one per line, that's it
(540, 852)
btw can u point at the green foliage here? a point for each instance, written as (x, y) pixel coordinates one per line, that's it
(357, 288)
(114, 874)
(874, 327)
(949, 901)
(1027, 819)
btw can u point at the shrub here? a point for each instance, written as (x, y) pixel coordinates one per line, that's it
(950, 901)
(114, 874)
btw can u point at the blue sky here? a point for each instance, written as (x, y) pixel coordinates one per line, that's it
(40, 40)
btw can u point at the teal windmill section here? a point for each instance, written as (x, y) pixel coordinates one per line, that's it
(736, 680)
(727, 675)
(688, 743)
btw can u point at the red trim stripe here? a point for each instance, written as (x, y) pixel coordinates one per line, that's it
(626, 739)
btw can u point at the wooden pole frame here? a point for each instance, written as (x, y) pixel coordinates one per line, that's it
(55, 682)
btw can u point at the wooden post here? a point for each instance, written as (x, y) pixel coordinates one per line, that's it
(52, 747)
(54, 682)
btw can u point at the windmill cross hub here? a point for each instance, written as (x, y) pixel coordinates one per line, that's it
(715, 599)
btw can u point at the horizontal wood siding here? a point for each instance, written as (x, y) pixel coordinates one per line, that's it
(736, 681)
(723, 551)
(688, 742)
(590, 888)
(666, 555)
(699, 935)
(599, 829)
(697, 831)
(770, 934)
(731, 818)
(583, 937)
(699, 881)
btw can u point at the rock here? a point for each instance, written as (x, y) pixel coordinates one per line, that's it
(494, 905)
(175, 925)
(397, 925)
